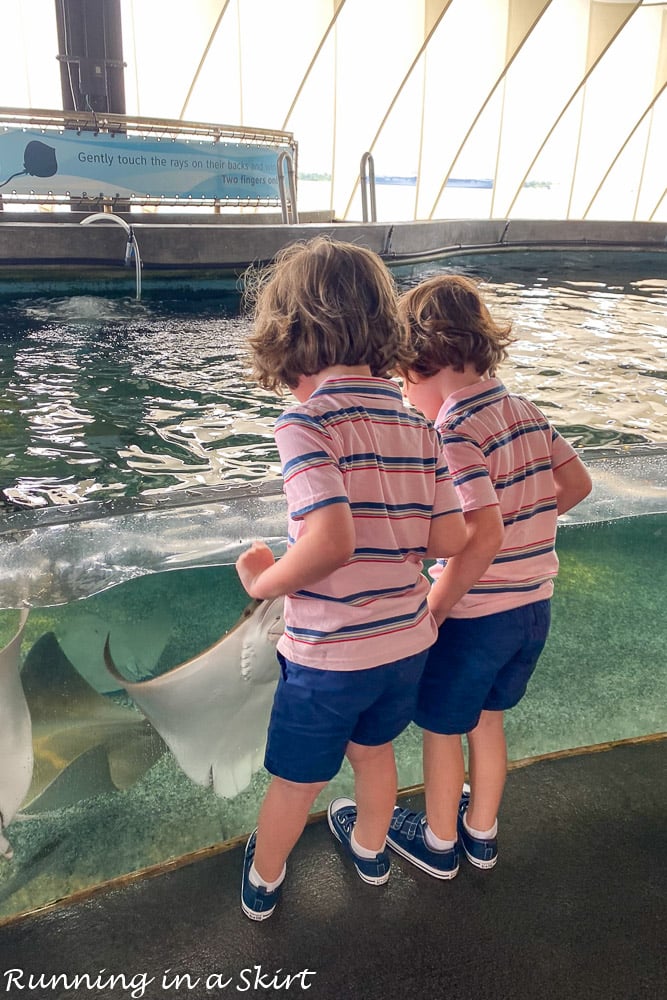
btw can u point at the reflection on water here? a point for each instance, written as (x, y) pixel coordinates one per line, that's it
(107, 796)
(591, 332)
(135, 399)
(101, 398)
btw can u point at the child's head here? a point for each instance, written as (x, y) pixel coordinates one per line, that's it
(320, 304)
(449, 326)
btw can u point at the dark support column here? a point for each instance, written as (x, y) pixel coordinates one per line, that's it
(90, 44)
(91, 55)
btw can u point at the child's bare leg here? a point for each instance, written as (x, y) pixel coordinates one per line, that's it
(443, 780)
(282, 818)
(488, 770)
(375, 787)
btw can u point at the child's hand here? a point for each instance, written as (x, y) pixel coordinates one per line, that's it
(439, 613)
(252, 563)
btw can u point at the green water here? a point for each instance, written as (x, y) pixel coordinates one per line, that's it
(601, 677)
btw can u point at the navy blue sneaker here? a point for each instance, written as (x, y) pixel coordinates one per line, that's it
(406, 837)
(257, 902)
(480, 853)
(342, 815)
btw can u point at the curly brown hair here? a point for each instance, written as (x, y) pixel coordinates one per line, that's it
(449, 326)
(323, 303)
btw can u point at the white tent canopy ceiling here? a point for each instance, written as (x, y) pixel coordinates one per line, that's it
(471, 108)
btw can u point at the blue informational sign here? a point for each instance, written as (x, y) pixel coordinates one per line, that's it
(117, 165)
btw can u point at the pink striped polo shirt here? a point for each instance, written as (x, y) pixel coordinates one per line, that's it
(501, 449)
(353, 441)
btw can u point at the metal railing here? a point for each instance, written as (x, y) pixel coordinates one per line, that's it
(367, 184)
(108, 122)
(287, 200)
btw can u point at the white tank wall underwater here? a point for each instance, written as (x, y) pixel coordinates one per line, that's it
(471, 108)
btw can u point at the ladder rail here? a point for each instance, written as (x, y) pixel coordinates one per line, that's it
(287, 194)
(367, 185)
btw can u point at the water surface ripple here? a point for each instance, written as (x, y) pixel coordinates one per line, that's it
(101, 397)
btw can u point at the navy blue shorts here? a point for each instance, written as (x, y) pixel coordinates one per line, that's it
(317, 712)
(480, 664)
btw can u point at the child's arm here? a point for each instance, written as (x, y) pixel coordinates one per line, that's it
(573, 483)
(326, 544)
(447, 536)
(485, 532)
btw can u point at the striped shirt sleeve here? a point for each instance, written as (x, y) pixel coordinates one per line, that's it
(469, 470)
(312, 476)
(446, 500)
(562, 451)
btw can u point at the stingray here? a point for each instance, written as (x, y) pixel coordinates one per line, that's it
(212, 711)
(61, 741)
(16, 753)
(84, 743)
(138, 646)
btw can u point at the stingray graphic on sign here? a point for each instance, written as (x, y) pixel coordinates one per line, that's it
(39, 160)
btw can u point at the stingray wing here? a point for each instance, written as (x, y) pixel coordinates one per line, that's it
(84, 743)
(212, 711)
(16, 753)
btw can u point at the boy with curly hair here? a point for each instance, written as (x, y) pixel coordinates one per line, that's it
(514, 475)
(369, 497)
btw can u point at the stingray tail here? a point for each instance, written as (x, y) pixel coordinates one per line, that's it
(110, 665)
(19, 173)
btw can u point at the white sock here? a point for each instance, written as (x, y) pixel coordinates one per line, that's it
(436, 843)
(481, 834)
(361, 852)
(256, 879)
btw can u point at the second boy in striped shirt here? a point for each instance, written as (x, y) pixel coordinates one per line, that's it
(491, 601)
